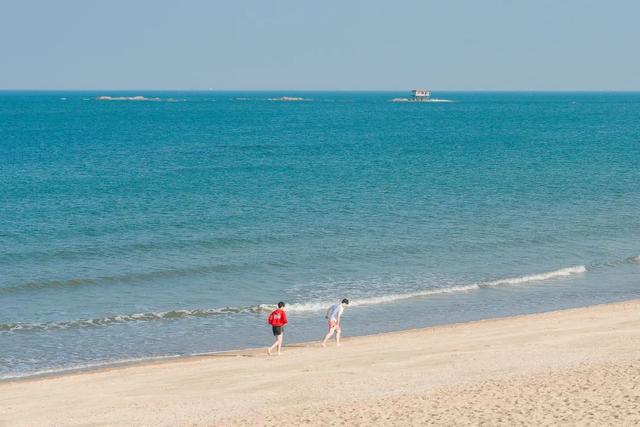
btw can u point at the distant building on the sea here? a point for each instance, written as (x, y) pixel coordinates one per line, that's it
(421, 94)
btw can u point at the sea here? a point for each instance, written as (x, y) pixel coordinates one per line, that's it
(148, 224)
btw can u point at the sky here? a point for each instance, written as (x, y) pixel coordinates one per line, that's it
(320, 45)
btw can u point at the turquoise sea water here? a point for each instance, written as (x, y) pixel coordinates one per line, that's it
(135, 229)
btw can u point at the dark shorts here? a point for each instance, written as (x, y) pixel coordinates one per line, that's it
(277, 330)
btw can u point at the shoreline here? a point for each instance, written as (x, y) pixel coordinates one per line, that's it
(574, 366)
(253, 351)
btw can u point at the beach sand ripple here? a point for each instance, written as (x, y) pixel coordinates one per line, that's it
(600, 395)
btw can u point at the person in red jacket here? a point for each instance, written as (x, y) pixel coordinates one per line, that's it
(277, 319)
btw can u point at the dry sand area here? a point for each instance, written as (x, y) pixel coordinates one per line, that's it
(571, 367)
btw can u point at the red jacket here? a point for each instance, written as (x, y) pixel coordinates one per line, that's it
(277, 318)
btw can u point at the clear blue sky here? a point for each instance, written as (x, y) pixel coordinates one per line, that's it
(311, 45)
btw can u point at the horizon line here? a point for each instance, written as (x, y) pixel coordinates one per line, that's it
(316, 90)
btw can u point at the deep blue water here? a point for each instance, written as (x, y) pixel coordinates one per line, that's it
(133, 229)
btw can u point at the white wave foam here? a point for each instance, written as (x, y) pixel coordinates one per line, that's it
(563, 272)
(440, 100)
(421, 100)
(126, 98)
(289, 99)
(397, 297)
(319, 306)
(296, 307)
(634, 259)
(136, 317)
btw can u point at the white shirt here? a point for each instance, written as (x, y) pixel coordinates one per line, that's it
(334, 312)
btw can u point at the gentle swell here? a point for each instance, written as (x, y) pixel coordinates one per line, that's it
(264, 308)
(124, 278)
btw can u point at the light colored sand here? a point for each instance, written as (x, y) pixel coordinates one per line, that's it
(573, 367)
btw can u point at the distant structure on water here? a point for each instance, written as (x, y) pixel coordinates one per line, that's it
(421, 94)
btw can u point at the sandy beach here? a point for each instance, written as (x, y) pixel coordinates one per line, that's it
(571, 367)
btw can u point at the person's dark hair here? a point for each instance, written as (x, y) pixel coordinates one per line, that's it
(280, 304)
(345, 301)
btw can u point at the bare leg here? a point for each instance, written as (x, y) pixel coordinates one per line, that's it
(275, 344)
(338, 338)
(279, 342)
(327, 337)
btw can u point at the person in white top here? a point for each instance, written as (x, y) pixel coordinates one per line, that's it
(334, 313)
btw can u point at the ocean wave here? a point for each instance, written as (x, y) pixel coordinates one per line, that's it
(99, 248)
(123, 278)
(313, 306)
(563, 272)
(421, 101)
(383, 299)
(127, 318)
(634, 259)
(126, 98)
(289, 99)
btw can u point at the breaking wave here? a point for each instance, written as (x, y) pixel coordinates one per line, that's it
(563, 272)
(125, 318)
(296, 307)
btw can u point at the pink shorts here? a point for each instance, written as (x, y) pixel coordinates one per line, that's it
(334, 324)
